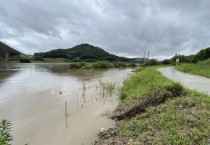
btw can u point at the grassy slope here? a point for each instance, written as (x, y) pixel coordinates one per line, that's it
(142, 84)
(180, 120)
(201, 68)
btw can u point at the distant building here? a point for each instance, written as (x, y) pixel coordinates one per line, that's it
(8, 53)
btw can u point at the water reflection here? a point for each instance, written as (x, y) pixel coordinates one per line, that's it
(64, 70)
(6, 71)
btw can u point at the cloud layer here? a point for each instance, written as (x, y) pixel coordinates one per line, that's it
(122, 27)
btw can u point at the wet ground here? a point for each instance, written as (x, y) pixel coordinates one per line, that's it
(33, 96)
(190, 81)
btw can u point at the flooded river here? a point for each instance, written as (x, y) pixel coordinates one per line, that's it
(50, 104)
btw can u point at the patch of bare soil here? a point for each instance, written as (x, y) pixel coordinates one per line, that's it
(110, 137)
(138, 106)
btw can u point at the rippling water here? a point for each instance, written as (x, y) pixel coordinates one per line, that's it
(33, 96)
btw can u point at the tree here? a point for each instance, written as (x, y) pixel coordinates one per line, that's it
(152, 62)
(166, 61)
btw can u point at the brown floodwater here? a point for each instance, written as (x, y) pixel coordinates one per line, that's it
(33, 98)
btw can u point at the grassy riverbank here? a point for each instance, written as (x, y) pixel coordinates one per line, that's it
(201, 68)
(100, 65)
(155, 110)
(84, 64)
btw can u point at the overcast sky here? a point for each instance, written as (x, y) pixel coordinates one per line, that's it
(122, 27)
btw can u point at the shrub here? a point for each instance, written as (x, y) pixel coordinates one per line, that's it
(25, 60)
(38, 58)
(101, 64)
(132, 65)
(119, 64)
(77, 65)
(166, 61)
(152, 62)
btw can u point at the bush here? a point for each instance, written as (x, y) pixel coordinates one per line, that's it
(25, 60)
(166, 61)
(101, 64)
(152, 62)
(77, 65)
(132, 65)
(38, 58)
(119, 64)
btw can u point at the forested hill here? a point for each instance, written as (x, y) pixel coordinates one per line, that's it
(83, 52)
(201, 55)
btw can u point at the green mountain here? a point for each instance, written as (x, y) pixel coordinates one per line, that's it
(82, 52)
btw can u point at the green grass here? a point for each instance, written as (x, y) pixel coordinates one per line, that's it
(142, 84)
(201, 68)
(183, 119)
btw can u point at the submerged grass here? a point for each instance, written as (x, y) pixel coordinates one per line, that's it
(200, 68)
(107, 88)
(181, 119)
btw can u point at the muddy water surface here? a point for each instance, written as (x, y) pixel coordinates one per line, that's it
(33, 96)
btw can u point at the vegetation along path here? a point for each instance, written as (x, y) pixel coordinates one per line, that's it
(190, 81)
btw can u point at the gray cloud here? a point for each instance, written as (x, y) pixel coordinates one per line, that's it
(122, 27)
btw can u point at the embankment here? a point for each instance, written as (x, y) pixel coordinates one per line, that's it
(155, 110)
(201, 68)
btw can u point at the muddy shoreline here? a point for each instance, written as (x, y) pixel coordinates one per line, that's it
(135, 109)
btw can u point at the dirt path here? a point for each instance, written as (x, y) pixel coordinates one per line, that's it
(190, 81)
